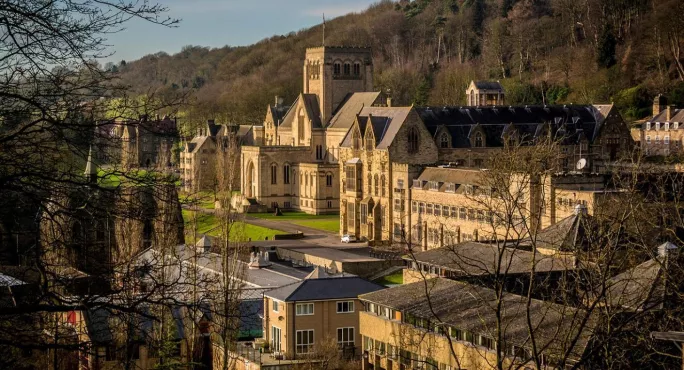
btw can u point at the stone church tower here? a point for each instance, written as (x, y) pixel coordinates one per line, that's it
(331, 73)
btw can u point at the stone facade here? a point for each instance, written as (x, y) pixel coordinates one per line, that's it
(296, 168)
(148, 143)
(485, 93)
(663, 133)
(211, 160)
(387, 148)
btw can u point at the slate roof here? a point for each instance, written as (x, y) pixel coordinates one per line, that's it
(566, 235)
(386, 123)
(313, 111)
(677, 116)
(478, 259)
(324, 289)
(344, 115)
(278, 113)
(566, 123)
(488, 85)
(457, 176)
(470, 307)
(102, 323)
(642, 287)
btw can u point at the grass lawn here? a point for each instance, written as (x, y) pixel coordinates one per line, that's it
(112, 178)
(330, 223)
(396, 278)
(208, 224)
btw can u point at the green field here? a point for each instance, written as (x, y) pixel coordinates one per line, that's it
(209, 224)
(329, 223)
(396, 278)
(111, 178)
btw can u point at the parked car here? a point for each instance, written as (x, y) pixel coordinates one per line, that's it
(346, 238)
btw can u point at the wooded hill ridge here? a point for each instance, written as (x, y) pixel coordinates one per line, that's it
(427, 51)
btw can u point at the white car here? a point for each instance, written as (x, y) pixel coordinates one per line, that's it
(346, 238)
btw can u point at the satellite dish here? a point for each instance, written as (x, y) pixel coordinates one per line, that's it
(581, 164)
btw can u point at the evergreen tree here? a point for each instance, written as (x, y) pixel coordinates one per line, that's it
(605, 56)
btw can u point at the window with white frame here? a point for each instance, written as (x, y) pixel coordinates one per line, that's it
(345, 307)
(305, 341)
(675, 125)
(648, 125)
(666, 126)
(303, 309)
(657, 126)
(450, 187)
(275, 306)
(345, 336)
(666, 140)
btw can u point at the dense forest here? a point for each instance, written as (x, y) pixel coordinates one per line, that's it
(426, 51)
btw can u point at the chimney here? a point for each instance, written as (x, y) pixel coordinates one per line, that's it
(389, 102)
(210, 121)
(278, 101)
(670, 112)
(659, 104)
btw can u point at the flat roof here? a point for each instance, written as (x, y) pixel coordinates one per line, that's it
(339, 255)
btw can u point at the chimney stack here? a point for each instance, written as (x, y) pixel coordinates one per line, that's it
(670, 113)
(659, 103)
(278, 101)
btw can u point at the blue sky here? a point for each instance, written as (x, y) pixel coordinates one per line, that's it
(217, 23)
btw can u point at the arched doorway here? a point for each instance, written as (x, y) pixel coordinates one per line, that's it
(249, 185)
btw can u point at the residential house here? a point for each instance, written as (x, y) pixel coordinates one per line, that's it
(663, 133)
(301, 317)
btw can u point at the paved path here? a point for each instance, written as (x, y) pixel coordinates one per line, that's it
(312, 236)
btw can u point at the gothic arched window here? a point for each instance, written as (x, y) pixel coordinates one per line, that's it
(300, 126)
(382, 185)
(479, 140)
(337, 68)
(286, 174)
(444, 140)
(347, 69)
(375, 183)
(274, 174)
(369, 141)
(412, 140)
(356, 140)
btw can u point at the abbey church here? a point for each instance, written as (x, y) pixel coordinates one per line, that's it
(297, 167)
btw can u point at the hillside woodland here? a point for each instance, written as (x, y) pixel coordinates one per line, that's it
(426, 51)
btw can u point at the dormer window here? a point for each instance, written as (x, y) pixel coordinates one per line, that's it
(434, 185)
(450, 187)
(648, 125)
(444, 140)
(369, 142)
(657, 126)
(356, 140)
(479, 140)
(667, 126)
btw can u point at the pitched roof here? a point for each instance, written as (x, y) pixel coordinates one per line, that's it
(386, 122)
(457, 176)
(567, 123)
(565, 235)
(278, 113)
(324, 289)
(642, 287)
(677, 116)
(477, 259)
(488, 85)
(344, 115)
(470, 307)
(313, 111)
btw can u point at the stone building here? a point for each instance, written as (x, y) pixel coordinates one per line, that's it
(481, 93)
(148, 143)
(298, 318)
(98, 230)
(297, 168)
(211, 160)
(388, 147)
(663, 133)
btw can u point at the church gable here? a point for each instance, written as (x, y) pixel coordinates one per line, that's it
(412, 142)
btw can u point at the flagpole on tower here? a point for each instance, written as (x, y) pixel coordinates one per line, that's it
(323, 29)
